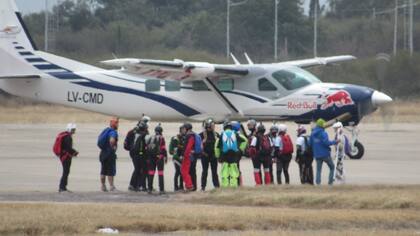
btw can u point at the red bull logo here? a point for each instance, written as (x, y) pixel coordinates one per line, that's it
(340, 98)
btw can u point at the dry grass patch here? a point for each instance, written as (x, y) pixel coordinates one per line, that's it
(53, 219)
(337, 197)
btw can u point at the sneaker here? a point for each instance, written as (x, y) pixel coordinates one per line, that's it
(112, 189)
(104, 189)
(132, 189)
(162, 192)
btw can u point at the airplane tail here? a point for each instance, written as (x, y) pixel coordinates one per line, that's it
(15, 42)
(19, 55)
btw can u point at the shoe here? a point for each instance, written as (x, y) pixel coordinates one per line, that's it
(132, 189)
(162, 192)
(203, 189)
(149, 191)
(104, 189)
(112, 189)
(61, 190)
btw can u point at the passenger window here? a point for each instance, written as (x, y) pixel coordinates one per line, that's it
(265, 85)
(172, 86)
(199, 86)
(225, 84)
(152, 85)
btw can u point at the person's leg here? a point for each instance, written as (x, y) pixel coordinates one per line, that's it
(286, 169)
(134, 176)
(185, 172)
(214, 175)
(279, 169)
(66, 171)
(257, 171)
(310, 173)
(225, 174)
(233, 174)
(318, 171)
(176, 177)
(103, 175)
(160, 166)
(112, 173)
(193, 173)
(271, 170)
(205, 164)
(151, 172)
(267, 175)
(302, 171)
(330, 164)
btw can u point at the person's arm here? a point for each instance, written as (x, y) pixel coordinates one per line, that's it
(243, 144)
(253, 148)
(326, 141)
(68, 146)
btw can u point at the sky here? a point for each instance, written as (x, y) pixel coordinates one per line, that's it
(30, 6)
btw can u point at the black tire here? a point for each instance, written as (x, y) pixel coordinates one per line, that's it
(358, 152)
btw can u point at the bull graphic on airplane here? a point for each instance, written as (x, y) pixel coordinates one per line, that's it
(178, 90)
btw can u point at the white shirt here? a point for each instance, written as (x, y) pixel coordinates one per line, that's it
(300, 141)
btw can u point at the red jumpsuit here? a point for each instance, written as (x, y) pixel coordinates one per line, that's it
(186, 162)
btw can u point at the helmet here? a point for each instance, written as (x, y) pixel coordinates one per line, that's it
(274, 128)
(188, 126)
(145, 119)
(282, 128)
(252, 122)
(208, 123)
(338, 125)
(70, 127)
(236, 126)
(301, 130)
(261, 128)
(159, 129)
(321, 123)
(142, 127)
(227, 124)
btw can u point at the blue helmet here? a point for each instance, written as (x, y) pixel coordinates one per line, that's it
(236, 126)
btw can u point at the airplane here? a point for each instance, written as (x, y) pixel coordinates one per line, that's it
(179, 90)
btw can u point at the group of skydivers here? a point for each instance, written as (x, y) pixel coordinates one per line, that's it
(149, 154)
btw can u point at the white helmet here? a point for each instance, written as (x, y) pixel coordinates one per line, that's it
(70, 127)
(338, 125)
(282, 128)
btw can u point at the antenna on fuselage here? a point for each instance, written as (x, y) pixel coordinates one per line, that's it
(248, 59)
(234, 59)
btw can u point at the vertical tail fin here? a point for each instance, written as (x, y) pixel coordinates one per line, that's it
(12, 28)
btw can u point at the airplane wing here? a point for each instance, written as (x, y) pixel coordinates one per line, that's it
(177, 69)
(320, 61)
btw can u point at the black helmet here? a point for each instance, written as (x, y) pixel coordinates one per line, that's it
(188, 126)
(159, 129)
(261, 128)
(227, 125)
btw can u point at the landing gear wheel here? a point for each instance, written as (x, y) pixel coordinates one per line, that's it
(357, 151)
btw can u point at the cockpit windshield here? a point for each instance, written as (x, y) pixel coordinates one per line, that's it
(294, 78)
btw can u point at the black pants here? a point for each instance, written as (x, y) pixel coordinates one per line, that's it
(66, 171)
(193, 173)
(283, 166)
(155, 163)
(307, 175)
(271, 171)
(205, 162)
(178, 182)
(139, 174)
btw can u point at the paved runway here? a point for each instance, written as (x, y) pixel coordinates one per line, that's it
(27, 163)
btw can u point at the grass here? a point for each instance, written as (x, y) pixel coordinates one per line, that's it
(348, 210)
(309, 197)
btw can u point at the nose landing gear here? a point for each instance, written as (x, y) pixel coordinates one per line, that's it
(357, 148)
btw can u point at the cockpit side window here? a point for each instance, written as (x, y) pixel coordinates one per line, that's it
(294, 78)
(265, 85)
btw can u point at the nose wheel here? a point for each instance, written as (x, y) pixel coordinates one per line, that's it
(357, 149)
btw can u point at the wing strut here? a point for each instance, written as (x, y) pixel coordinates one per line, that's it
(220, 95)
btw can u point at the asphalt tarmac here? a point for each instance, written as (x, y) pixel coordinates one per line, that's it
(29, 168)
